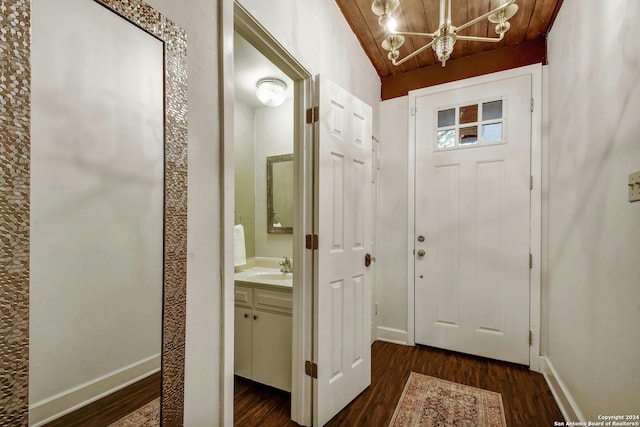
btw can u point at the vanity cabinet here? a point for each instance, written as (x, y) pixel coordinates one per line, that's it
(263, 334)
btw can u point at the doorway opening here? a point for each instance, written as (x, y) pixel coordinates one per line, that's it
(330, 302)
(264, 265)
(272, 214)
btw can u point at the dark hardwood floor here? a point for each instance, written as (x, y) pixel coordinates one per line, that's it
(256, 404)
(525, 395)
(113, 407)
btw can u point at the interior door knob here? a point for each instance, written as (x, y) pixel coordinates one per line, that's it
(246, 315)
(367, 260)
(421, 252)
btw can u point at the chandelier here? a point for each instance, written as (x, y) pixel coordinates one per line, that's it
(445, 37)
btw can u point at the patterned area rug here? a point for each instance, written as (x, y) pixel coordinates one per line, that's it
(432, 402)
(147, 416)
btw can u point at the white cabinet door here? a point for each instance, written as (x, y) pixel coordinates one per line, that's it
(342, 294)
(271, 362)
(472, 210)
(263, 335)
(242, 342)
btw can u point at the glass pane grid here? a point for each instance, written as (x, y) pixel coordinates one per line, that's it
(492, 133)
(470, 125)
(447, 117)
(468, 135)
(446, 139)
(492, 110)
(468, 114)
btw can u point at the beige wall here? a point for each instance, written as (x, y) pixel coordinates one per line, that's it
(274, 137)
(245, 176)
(260, 133)
(594, 232)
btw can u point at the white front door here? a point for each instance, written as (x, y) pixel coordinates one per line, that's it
(342, 291)
(472, 208)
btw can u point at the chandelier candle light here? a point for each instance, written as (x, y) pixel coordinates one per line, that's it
(445, 37)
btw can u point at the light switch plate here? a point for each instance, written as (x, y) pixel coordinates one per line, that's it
(634, 187)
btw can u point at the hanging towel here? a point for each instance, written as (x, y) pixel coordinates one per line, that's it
(240, 254)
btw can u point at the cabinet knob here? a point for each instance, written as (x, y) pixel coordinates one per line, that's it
(255, 317)
(246, 315)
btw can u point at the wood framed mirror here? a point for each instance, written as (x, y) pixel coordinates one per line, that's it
(21, 203)
(280, 194)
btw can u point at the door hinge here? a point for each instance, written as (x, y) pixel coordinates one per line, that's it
(413, 111)
(530, 261)
(530, 182)
(311, 241)
(530, 338)
(313, 115)
(532, 104)
(311, 369)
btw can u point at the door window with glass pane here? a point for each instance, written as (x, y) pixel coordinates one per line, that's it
(470, 125)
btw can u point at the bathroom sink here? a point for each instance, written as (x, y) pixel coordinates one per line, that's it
(265, 275)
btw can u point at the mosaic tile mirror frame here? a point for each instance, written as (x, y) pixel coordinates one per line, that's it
(15, 51)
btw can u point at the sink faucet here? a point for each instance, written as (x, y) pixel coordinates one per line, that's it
(286, 266)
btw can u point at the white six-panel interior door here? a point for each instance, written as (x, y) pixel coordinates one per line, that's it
(342, 301)
(472, 219)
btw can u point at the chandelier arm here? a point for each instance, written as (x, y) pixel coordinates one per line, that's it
(482, 39)
(408, 57)
(486, 15)
(403, 33)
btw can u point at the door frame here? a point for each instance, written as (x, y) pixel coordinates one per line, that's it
(535, 71)
(302, 333)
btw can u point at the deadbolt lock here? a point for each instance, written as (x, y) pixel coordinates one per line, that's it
(421, 253)
(420, 239)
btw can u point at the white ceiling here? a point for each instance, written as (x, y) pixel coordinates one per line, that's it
(251, 66)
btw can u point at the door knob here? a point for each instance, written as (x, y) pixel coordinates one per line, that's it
(420, 239)
(246, 316)
(421, 253)
(255, 317)
(367, 260)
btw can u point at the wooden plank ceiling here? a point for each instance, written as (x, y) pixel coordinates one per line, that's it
(524, 43)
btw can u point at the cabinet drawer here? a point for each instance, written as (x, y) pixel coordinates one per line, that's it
(273, 300)
(244, 296)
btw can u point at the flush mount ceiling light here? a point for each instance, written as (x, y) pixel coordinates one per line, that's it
(445, 37)
(271, 91)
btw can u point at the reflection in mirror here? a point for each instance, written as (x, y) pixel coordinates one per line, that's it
(92, 181)
(97, 206)
(280, 194)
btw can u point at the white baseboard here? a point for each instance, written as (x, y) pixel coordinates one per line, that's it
(564, 399)
(391, 335)
(68, 401)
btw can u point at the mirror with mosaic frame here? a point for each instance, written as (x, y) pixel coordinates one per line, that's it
(16, 192)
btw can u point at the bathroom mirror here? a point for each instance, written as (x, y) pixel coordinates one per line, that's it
(280, 194)
(95, 139)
